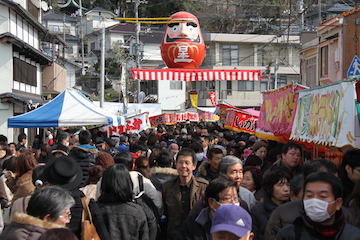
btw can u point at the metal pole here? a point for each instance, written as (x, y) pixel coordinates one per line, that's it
(137, 38)
(82, 40)
(275, 73)
(102, 68)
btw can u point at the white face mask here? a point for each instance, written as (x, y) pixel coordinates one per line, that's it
(316, 209)
(199, 156)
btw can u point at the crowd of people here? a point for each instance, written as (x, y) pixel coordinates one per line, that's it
(186, 181)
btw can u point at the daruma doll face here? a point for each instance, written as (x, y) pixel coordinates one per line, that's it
(183, 45)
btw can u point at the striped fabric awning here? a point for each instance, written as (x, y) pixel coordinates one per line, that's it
(178, 74)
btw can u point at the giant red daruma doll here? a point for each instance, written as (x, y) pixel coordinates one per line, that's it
(183, 45)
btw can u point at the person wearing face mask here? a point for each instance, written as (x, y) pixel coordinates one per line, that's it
(231, 222)
(322, 216)
(277, 189)
(221, 191)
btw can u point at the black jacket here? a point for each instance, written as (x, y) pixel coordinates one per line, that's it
(196, 227)
(125, 221)
(304, 230)
(260, 214)
(85, 156)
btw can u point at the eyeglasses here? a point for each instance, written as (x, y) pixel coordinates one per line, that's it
(229, 200)
(68, 217)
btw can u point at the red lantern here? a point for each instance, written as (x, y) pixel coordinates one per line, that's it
(183, 44)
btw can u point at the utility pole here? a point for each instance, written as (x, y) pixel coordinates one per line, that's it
(276, 68)
(82, 40)
(137, 46)
(102, 68)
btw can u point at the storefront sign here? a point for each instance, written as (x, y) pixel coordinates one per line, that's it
(240, 121)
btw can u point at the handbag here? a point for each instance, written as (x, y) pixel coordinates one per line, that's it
(88, 230)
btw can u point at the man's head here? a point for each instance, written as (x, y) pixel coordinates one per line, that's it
(22, 138)
(350, 165)
(84, 137)
(296, 187)
(164, 159)
(214, 157)
(186, 162)
(221, 191)
(125, 158)
(63, 138)
(174, 148)
(139, 148)
(291, 155)
(322, 197)
(231, 222)
(205, 132)
(232, 167)
(318, 165)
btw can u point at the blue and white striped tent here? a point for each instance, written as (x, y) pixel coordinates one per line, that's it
(69, 108)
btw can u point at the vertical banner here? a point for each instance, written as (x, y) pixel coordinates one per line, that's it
(240, 121)
(194, 99)
(213, 99)
(123, 87)
(278, 110)
(327, 116)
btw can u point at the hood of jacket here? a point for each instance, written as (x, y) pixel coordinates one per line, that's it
(81, 152)
(23, 218)
(164, 170)
(202, 168)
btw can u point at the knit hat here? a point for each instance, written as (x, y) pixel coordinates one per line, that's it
(253, 160)
(259, 144)
(231, 218)
(104, 160)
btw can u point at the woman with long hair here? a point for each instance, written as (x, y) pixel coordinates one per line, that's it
(124, 218)
(20, 183)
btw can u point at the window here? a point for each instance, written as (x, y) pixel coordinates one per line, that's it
(230, 55)
(324, 61)
(246, 85)
(92, 46)
(228, 87)
(264, 84)
(310, 79)
(282, 80)
(24, 72)
(176, 85)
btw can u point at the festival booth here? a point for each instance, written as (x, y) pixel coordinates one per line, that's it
(173, 118)
(69, 108)
(135, 123)
(327, 116)
(277, 113)
(240, 121)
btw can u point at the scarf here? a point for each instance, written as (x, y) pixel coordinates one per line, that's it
(328, 231)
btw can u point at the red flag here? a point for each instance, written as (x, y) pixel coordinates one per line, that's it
(212, 96)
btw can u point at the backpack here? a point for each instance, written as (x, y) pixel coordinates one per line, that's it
(151, 212)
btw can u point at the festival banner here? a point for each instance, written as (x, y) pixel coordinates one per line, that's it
(208, 117)
(326, 115)
(182, 117)
(278, 109)
(138, 123)
(212, 96)
(240, 121)
(194, 99)
(168, 119)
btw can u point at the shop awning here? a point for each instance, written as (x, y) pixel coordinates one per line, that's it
(189, 75)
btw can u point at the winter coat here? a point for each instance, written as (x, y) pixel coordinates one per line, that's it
(286, 214)
(260, 214)
(85, 156)
(306, 230)
(26, 227)
(125, 221)
(21, 186)
(196, 227)
(160, 175)
(172, 202)
(204, 171)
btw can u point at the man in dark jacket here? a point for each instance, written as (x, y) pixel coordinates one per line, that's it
(163, 171)
(322, 217)
(197, 226)
(209, 169)
(180, 194)
(84, 153)
(287, 213)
